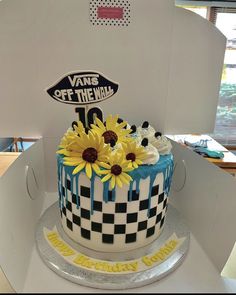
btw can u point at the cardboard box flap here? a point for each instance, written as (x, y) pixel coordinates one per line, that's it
(162, 59)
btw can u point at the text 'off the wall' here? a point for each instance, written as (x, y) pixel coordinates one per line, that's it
(83, 88)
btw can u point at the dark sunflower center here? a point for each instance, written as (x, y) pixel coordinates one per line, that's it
(131, 156)
(90, 155)
(116, 170)
(109, 135)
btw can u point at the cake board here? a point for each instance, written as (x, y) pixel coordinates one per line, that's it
(146, 272)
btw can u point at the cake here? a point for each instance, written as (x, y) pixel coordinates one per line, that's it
(113, 184)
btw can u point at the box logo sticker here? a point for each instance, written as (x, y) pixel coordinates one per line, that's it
(82, 88)
(110, 12)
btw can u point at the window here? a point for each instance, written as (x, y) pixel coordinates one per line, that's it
(225, 20)
(201, 10)
(225, 127)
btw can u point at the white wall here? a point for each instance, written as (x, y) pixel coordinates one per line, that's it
(162, 62)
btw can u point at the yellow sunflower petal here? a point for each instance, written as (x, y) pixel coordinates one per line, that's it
(105, 171)
(123, 124)
(113, 181)
(79, 168)
(135, 165)
(88, 170)
(62, 152)
(128, 169)
(72, 159)
(116, 158)
(139, 162)
(100, 124)
(96, 168)
(75, 154)
(104, 165)
(107, 177)
(85, 140)
(79, 142)
(96, 129)
(126, 176)
(72, 163)
(123, 179)
(111, 122)
(75, 162)
(118, 181)
(103, 158)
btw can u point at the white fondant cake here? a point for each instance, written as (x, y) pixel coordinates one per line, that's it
(109, 213)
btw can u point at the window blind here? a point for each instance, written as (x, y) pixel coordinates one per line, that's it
(215, 10)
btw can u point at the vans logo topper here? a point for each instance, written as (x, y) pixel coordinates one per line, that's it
(83, 88)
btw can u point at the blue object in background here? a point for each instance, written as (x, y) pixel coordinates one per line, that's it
(209, 153)
(201, 143)
(11, 144)
(6, 144)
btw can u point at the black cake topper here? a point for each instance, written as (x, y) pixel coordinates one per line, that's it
(83, 88)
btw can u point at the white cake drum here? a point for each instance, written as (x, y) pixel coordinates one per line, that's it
(123, 224)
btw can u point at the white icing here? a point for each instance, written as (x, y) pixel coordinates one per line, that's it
(162, 144)
(146, 132)
(127, 126)
(117, 146)
(152, 155)
(137, 137)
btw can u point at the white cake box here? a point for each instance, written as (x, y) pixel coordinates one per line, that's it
(167, 62)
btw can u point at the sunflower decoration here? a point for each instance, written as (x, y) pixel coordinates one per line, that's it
(78, 127)
(89, 152)
(116, 170)
(134, 153)
(111, 130)
(66, 144)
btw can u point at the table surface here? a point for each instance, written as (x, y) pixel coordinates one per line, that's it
(229, 160)
(6, 159)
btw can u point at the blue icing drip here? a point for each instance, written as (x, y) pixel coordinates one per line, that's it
(137, 185)
(152, 179)
(61, 186)
(66, 190)
(148, 170)
(168, 178)
(113, 195)
(59, 171)
(58, 188)
(92, 192)
(77, 191)
(71, 187)
(58, 183)
(105, 191)
(130, 190)
(164, 165)
(167, 184)
(68, 171)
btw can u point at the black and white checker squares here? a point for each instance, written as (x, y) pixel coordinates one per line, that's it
(123, 222)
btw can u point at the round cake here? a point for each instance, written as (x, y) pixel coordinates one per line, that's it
(113, 184)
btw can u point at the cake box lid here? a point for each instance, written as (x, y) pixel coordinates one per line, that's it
(165, 61)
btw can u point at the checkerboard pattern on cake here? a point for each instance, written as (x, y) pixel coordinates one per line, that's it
(120, 221)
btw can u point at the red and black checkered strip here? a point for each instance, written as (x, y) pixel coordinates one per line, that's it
(127, 220)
